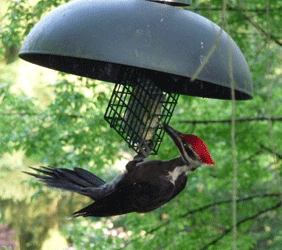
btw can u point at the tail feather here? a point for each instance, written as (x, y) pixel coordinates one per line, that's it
(72, 180)
(91, 178)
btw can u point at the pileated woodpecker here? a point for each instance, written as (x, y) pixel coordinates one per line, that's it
(143, 187)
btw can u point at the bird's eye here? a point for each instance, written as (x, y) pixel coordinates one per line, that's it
(189, 149)
(185, 143)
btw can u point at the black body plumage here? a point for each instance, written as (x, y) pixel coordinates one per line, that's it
(142, 187)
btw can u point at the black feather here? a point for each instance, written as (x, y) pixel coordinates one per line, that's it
(72, 180)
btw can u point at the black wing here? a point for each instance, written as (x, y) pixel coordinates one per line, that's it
(138, 197)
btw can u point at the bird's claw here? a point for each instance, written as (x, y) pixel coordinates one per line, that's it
(144, 151)
(161, 124)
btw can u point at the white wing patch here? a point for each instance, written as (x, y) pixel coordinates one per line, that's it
(173, 175)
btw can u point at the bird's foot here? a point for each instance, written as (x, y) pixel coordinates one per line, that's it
(139, 157)
(144, 151)
(161, 123)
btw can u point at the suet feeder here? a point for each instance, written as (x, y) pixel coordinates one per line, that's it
(150, 49)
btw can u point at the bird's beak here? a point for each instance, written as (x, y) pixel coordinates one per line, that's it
(174, 134)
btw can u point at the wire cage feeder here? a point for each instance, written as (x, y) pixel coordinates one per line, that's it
(150, 49)
(135, 111)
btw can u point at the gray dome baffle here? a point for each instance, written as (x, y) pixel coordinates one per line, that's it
(101, 39)
(174, 2)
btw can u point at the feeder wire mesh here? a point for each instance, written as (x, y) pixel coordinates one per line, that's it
(135, 111)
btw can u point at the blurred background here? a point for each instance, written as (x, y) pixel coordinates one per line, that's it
(50, 118)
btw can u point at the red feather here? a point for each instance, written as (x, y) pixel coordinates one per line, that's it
(200, 147)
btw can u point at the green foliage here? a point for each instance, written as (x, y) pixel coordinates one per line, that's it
(67, 132)
(90, 235)
(20, 18)
(71, 132)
